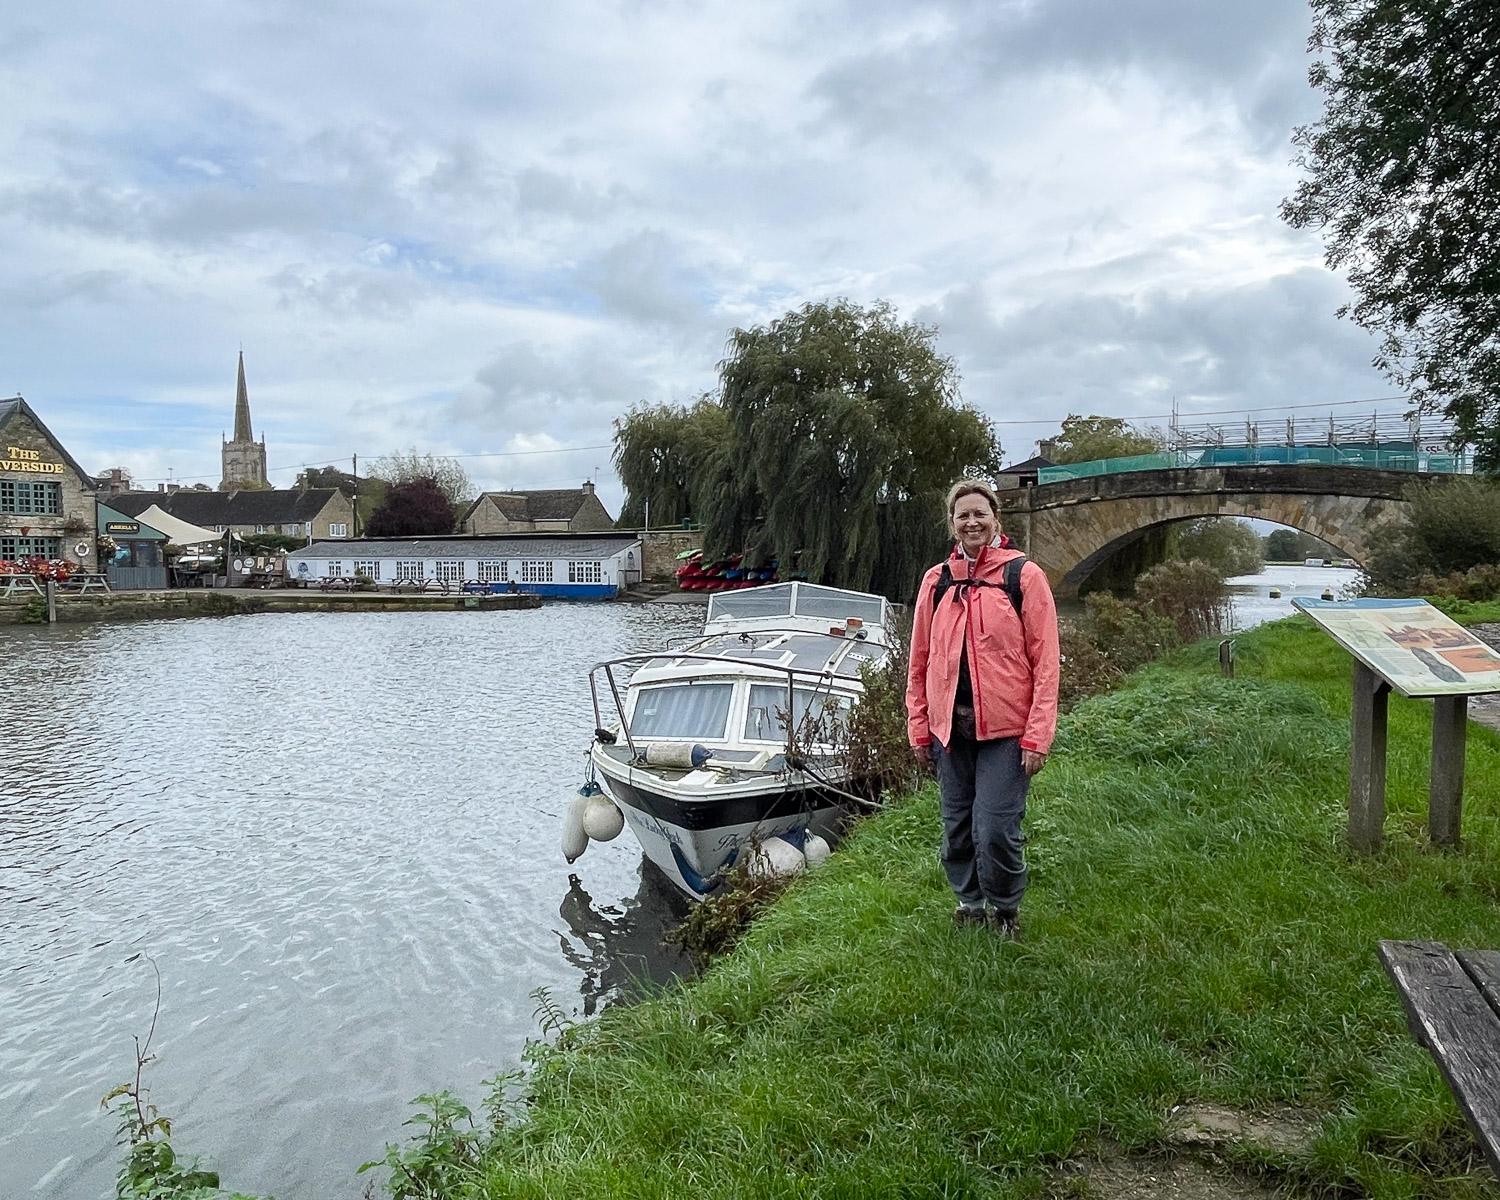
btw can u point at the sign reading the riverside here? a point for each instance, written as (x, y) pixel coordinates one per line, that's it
(1410, 644)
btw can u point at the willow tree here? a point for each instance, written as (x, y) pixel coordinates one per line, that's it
(664, 455)
(845, 428)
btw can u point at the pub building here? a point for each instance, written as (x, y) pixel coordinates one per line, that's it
(46, 498)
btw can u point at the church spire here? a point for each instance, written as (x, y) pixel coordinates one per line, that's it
(242, 407)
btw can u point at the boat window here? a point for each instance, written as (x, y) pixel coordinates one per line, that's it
(773, 600)
(817, 715)
(816, 601)
(682, 710)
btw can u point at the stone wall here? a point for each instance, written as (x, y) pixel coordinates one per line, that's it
(24, 442)
(660, 548)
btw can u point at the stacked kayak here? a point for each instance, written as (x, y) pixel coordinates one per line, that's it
(696, 576)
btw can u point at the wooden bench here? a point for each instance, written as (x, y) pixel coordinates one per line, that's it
(1453, 1009)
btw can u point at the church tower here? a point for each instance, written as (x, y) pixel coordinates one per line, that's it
(244, 457)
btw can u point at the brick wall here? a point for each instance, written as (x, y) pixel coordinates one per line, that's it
(660, 548)
(19, 442)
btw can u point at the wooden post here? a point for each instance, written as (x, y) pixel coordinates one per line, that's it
(1450, 726)
(1367, 760)
(1226, 658)
(51, 602)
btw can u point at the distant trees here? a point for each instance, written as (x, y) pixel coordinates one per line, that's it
(327, 477)
(1087, 439)
(452, 480)
(419, 506)
(1292, 545)
(835, 432)
(1231, 547)
(1403, 177)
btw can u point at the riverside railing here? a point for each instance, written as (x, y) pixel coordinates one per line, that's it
(1389, 456)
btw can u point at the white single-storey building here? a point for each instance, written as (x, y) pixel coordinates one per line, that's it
(582, 567)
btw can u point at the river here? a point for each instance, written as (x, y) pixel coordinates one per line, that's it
(1250, 595)
(336, 837)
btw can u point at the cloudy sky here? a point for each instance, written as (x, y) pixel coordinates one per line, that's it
(487, 229)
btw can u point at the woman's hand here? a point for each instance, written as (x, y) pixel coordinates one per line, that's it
(923, 755)
(1032, 761)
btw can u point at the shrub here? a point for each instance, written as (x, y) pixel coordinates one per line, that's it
(1451, 527)
(878, 753)
(1192, 595)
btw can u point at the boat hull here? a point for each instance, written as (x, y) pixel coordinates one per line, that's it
(692, 837)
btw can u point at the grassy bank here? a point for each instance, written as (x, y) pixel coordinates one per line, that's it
(1195, 930)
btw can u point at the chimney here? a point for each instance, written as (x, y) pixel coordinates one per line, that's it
(588, 487)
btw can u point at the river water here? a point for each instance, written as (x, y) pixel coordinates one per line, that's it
(335, 835)
(1250, 595)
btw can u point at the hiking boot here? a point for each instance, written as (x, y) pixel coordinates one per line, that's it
(967, 915)
(1006, 925)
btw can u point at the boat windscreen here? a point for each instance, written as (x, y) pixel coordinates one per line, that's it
(816, 601)
(682, 710)
(817, 716)
(772, 600)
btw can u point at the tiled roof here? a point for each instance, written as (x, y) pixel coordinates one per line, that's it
(1031, 464)
(558, 504)
(245, 507)
(587, 546)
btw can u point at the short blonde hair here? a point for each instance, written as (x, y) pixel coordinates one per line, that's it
(971, 487)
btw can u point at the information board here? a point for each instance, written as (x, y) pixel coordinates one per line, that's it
(1415, 648)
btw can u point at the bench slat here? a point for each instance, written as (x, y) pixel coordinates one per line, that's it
(1483, 967)
(1448, 1015)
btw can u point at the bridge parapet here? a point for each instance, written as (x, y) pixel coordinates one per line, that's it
(1072, 527)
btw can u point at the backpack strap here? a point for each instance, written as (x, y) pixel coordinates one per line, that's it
(1012, 584)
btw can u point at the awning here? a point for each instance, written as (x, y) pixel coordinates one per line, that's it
(178, 532)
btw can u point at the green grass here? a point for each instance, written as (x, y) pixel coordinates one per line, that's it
(1195, 929)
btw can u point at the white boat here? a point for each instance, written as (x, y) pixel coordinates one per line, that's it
(697, 751)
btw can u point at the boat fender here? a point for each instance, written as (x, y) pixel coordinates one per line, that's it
(815, 849)
(575, 839)
(1275, 593)
(775, 856)
(677, 757)
(602, 821)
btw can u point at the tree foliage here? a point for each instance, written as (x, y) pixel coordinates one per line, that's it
(1231, 547)
(327, 477)
(412, 467)
(664, 455)
(834, 435)
(1450, 526)
(1087, 439)
(1403, 177)
(1295, 546)
(419, 506)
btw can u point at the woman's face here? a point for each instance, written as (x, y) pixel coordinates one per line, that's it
(974, 522)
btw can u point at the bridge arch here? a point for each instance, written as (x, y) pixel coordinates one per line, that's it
(1071, 528)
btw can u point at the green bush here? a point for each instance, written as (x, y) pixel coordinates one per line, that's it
(1451, 527)
(1192, 595)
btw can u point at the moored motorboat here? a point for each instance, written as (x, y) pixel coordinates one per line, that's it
(731, 746)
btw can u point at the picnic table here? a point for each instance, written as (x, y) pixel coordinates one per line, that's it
(86, 581)
(1452, 1003)
(17, 584)
(336, 583)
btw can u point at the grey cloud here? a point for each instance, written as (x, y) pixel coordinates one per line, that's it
(555, 193)
(96, 287)
(1274, 342)
(345, 292)
(646, 278)
(527, 389)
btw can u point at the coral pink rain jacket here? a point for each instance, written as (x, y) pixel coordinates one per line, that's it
(1013, 662)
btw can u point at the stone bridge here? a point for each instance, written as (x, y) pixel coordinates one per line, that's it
(1073, 528)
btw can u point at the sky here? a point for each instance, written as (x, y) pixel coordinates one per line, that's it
(489, 229)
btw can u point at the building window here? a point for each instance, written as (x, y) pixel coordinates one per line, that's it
(585, 572)
(409, 570)
(448, 572)
(14, 548)
(260, 529)
(293, 529)
(338, 529)
(494, 572)
(220, 528)
(536, 572)
(370, 569)
(335, 569)
(41, 499)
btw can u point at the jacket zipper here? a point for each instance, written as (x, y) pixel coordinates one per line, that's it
(974, 645)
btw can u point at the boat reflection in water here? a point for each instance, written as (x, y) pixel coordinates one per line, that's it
(619, 948)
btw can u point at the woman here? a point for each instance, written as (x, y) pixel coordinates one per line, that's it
(981, 702)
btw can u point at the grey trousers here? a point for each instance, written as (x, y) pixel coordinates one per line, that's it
(983, 791)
